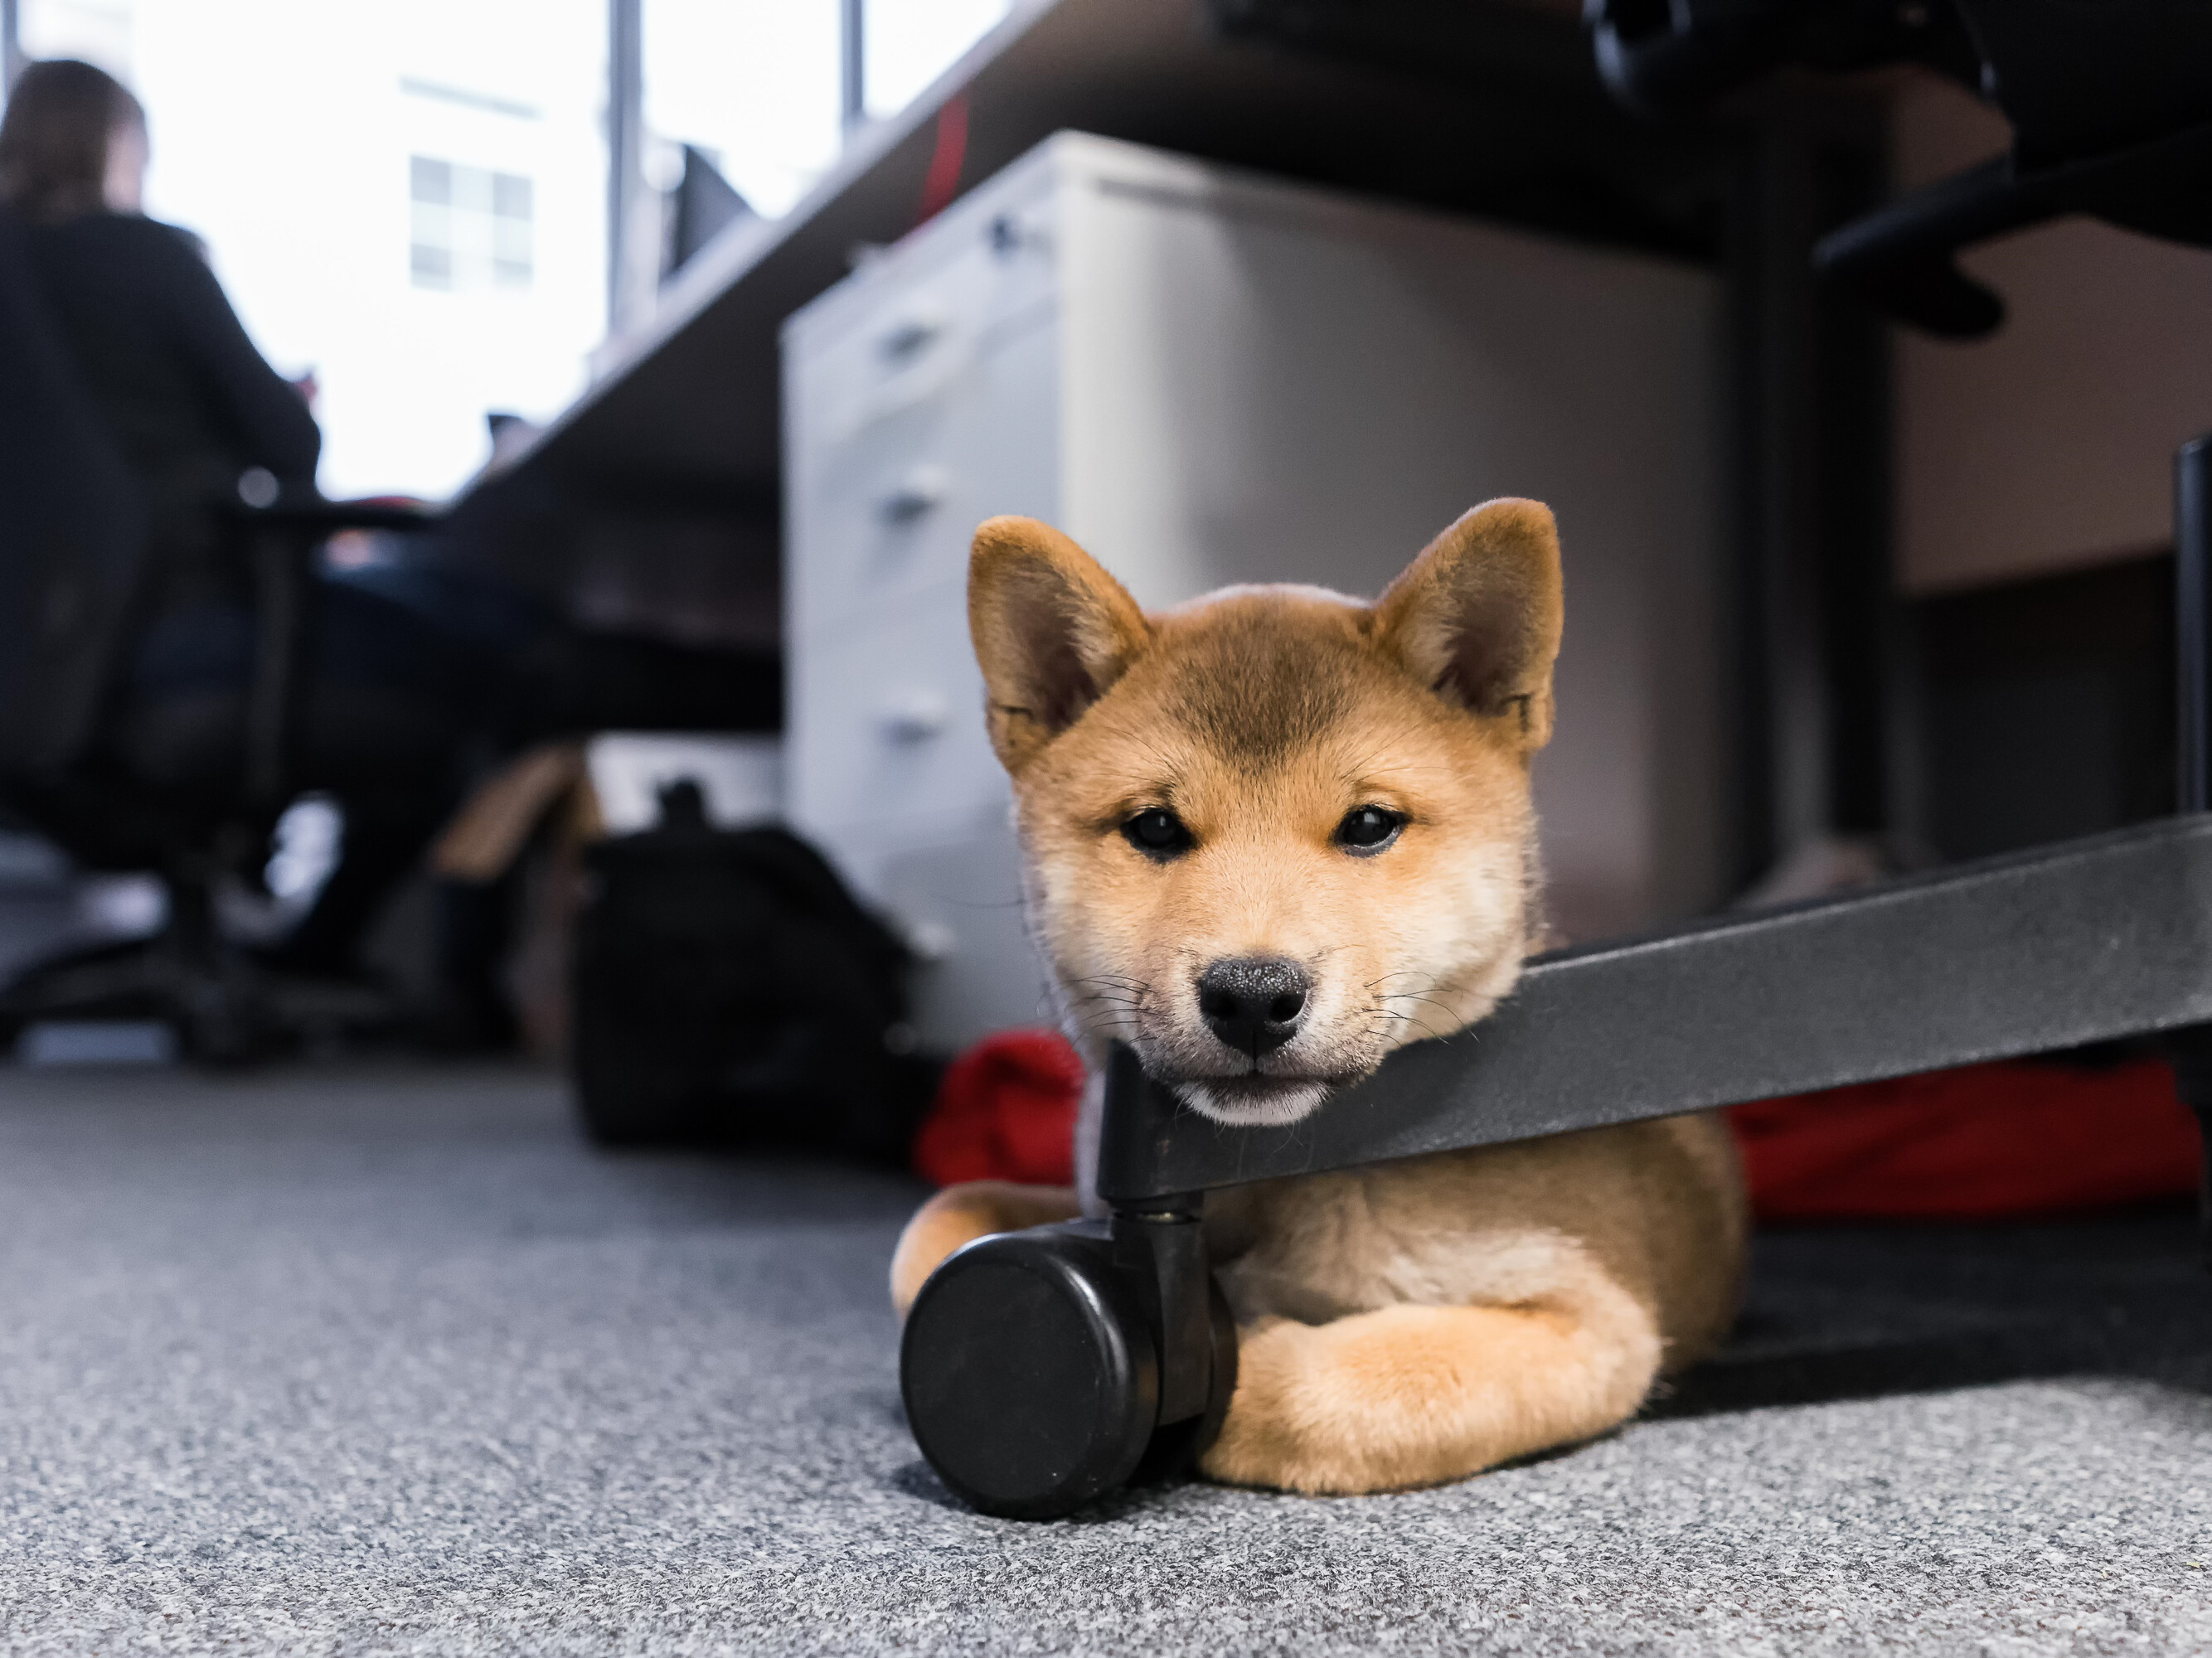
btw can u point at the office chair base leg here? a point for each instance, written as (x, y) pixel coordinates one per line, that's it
(144, 980)
(2205, 1182)
(225, 1009)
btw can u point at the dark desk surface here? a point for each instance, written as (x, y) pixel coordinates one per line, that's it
(1477, 104)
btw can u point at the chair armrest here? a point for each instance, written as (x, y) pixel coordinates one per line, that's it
(280, 528)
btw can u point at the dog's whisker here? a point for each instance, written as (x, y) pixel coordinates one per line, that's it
(1443, 1008)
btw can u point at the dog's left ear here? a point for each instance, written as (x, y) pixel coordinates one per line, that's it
(1476, 618)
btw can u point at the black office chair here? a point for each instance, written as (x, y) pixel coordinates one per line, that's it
(73, 569)
(1041, 1368)
(2110, 106)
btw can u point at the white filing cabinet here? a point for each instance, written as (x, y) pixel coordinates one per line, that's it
(1207, 377)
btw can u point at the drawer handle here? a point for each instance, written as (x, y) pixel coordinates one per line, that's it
(908, 338)
(919, 492)
(915, 717)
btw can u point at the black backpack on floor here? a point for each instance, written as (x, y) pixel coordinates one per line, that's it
(729, 990)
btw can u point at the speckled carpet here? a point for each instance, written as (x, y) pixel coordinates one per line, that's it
(387, 1361)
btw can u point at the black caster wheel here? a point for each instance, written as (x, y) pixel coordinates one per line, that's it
(1032, 1367)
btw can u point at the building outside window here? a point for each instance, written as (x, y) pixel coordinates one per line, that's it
(470, 226)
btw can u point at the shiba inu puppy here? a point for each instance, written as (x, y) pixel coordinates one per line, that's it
(1271, 836)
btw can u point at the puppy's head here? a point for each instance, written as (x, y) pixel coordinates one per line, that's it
(1275, 833)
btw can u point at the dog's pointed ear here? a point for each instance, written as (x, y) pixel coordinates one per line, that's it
(1053, 632)
(1476, 618)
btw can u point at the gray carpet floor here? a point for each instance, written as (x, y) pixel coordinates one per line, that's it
(386, 1361)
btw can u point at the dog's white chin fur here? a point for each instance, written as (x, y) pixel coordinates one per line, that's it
(1287, 1102)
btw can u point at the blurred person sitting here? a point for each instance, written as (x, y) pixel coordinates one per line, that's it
(193, 407)
(412, 675)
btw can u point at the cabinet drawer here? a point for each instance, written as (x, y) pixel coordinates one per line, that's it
(886, 722)
(898, 332)
(889, 511)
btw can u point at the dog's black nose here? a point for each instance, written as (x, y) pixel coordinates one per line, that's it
(1254, 1004)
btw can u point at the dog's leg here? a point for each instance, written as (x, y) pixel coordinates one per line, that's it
(1410, 1396)
(961, 1214)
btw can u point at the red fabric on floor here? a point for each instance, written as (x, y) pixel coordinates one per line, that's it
(1006, 1110)
(2017, 1137)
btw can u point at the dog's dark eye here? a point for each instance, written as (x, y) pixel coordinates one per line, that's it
(1369, 829)
(1158, 833)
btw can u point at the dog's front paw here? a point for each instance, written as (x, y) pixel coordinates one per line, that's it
(1410, 1396)
(1295, 1423)
(1324, 1408)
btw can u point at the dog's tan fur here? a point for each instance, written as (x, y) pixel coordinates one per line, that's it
(1406, 1323)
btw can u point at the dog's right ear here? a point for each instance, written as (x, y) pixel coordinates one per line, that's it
(1476, 616)
(1053, 632)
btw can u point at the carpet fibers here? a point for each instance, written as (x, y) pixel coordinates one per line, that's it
(388, 1361)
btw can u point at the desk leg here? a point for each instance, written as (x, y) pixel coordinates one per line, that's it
(2191, 1052)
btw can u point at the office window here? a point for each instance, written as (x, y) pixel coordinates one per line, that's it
(907, 44)
(759, 84)
(470, 226)
(755, 83)
(97, 31)
(407, 198)
(441, 249)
